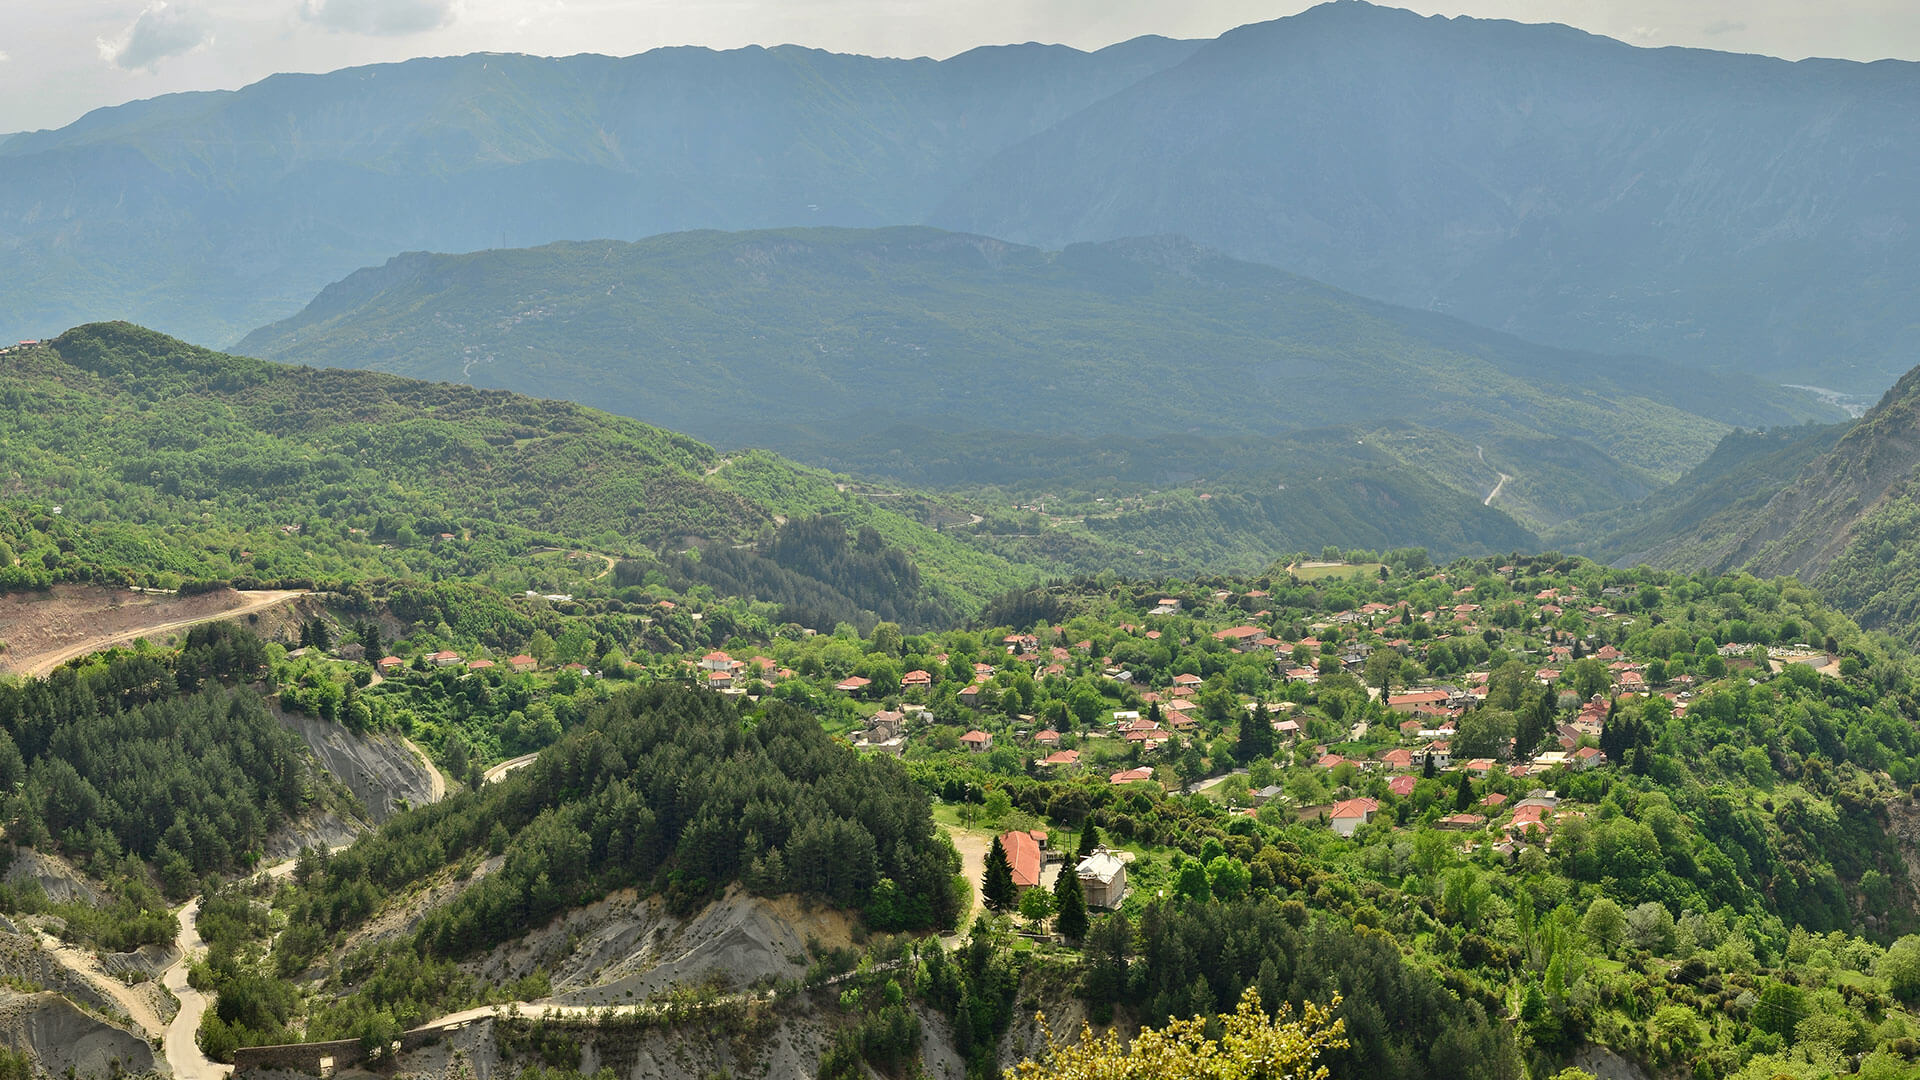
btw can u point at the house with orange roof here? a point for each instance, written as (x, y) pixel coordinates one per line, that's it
(1023, 855)
(1130, 776)
(977, 741)
(1348, 815)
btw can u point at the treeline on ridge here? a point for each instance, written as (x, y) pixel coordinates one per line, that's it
(818, 573)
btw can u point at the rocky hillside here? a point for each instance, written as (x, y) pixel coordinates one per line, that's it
(1848, 523)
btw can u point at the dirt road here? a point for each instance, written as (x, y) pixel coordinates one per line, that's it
(972, 847)
(181, 1050)
(87, 966)
(39, 665)
(436, 780)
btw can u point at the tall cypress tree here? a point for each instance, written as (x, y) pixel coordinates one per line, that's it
(1072, 919)
(996, 888)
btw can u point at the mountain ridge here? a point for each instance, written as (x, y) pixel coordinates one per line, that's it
(817, 339)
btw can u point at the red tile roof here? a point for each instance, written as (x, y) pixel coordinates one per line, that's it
(1023, 854)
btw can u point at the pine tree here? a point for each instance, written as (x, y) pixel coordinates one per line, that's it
(1463, 793)
(1089, 840)
(1072, 918)
(996, 887)
(1255, 735)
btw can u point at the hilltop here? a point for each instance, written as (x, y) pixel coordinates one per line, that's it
(131, 456)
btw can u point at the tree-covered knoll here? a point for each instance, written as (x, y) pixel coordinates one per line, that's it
(158, 756)
(135, 456)
(669, 790)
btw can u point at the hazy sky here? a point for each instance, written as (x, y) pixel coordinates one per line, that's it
(59, 58)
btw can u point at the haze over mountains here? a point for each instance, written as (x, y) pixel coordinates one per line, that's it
(818, 342)
(1742, 212)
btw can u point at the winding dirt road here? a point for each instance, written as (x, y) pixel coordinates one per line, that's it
(40, 665)
(180, 1048)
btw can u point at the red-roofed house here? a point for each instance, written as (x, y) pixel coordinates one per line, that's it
(1062, 757)
(1528, 818)
(1399, 760)
(977, 741)
(1023, 854)
(1238, 633)
(390, 663)
(1047, 737)
(1130, 776)
(916, 678)
(852, 683)
(1347, 816)
(1407, 702)
(1402, 785)
(523, 663)
(1184, 679)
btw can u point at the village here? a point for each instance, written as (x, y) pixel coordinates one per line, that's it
(1353, 743)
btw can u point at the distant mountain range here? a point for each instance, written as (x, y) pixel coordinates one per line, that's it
(1730, 211)
(881, 350)
(208, 214)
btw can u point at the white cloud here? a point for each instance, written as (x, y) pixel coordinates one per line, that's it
(161, 30)
(4, 58)
(381, 17)
(1723, 26)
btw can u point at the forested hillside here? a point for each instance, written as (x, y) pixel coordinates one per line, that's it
(668, 790)
(891, 351)
(132, 456)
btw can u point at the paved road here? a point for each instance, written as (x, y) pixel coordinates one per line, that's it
(39, 666)
(499, 772)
